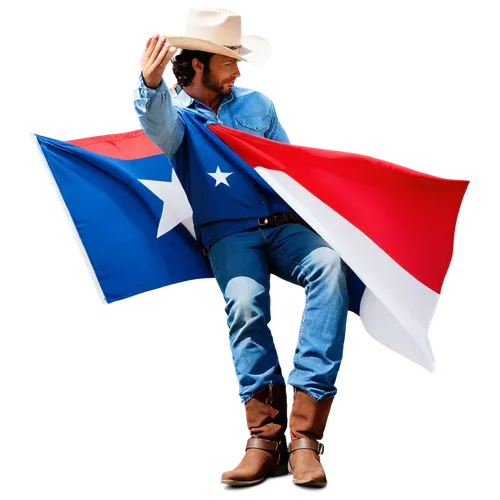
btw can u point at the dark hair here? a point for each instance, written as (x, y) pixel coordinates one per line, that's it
(183, 67)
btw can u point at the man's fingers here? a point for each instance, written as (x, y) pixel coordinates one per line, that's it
(144, 51)
(157, 53)
(165, 61)
(160, 56)
(157, 49)
(150, 45)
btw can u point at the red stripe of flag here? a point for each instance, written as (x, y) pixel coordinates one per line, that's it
(409, 214)
(126, 146)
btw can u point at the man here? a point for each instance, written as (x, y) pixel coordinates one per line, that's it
(243, 253)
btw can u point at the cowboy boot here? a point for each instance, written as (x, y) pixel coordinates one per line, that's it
(307, 424)
(266, 452)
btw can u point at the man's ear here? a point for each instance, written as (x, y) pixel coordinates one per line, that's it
(197, 65)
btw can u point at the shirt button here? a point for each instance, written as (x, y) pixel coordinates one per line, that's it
(263, 202)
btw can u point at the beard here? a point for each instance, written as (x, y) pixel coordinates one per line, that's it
(210, 83)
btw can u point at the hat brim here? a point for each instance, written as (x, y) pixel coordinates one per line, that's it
(254, 49)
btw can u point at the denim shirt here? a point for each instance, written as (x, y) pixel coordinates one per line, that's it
(160, 116)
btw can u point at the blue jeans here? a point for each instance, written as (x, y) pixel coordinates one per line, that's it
(242, 263)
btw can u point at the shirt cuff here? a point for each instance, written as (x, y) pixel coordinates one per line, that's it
(149, 92)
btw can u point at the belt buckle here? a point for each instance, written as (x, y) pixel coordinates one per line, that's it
(266, 221)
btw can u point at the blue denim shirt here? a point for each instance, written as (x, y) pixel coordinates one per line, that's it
(160, 116)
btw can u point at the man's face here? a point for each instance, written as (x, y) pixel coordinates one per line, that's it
(220, 74)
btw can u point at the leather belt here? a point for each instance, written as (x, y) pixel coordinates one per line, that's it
(281, 218)
(270, 221)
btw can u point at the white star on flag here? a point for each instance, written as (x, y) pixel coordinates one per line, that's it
(220, 177)
(176, 207)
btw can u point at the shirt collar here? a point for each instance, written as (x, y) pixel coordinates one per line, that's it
(184, 99)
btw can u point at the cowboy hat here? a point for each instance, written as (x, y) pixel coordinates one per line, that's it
(219, 31)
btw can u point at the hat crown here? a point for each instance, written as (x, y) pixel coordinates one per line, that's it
(215, 25)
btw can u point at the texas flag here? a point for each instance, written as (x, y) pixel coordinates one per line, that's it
(131, 214)
(393, 226)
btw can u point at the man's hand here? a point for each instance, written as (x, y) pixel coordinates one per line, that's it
(154, 60)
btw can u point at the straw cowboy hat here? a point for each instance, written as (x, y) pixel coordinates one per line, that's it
(219, 31)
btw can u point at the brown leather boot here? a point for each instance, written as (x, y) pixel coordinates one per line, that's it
(307, 424)
(266, 452)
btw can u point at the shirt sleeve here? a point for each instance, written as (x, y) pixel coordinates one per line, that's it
(276, 132)
(158, 117)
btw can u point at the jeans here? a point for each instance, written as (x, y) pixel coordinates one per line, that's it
(242, 263)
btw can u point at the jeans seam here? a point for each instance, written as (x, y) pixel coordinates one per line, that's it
(300, 327)
(212, 263)
(263, 235)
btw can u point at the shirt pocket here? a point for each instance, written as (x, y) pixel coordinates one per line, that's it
(255, 124)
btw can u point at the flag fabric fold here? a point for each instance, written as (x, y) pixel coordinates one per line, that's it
(117, 216)
(393, 227)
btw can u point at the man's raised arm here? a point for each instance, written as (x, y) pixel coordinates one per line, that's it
(157, 115)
